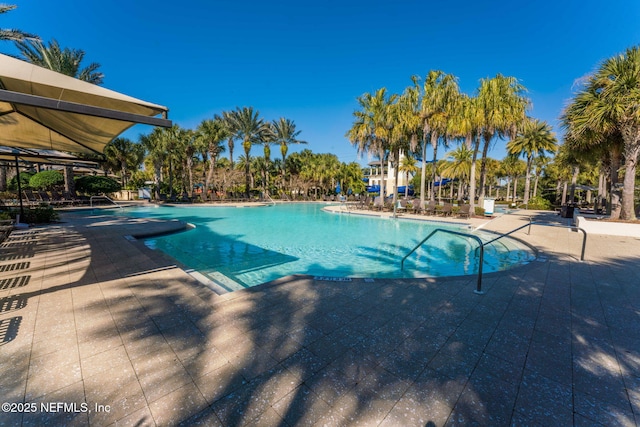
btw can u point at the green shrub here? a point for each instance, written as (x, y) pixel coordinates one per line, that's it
(479, 211)
(537, 203)
(39, 215)
(24, 181)
(46, 180)
(96, 185)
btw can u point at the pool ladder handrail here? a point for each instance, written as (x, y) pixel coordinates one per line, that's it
(482, 244)
(103, 197)
(546, 224)
(457, 233)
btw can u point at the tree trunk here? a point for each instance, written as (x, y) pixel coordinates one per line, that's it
(382, 181)
(3, 177)
(483, 168)
(527, 180)
(69, 183)
(631, 160)
(614, 192)
(423, 172)
(472, 176)
(434, 145)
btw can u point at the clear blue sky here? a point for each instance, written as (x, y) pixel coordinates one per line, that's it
(309, 61)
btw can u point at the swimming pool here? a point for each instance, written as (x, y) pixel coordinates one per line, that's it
(243, 247)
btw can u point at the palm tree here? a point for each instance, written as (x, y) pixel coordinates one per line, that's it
(534, 139)
(212, 133)
(512, 168)
(440, 93)
(609, 104)
(371, 131)
(245, 124)
(227, 119)
(155, 146)
(502, 106)
(66, 61)
(285, 133)
(12, 34)
(125, 155)
(406, 124)
(459, 166)
(467, 124)
(409, 166)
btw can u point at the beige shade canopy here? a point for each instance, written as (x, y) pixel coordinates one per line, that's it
(29, 156)
(43, 109)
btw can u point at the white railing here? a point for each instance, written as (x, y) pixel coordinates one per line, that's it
(104, 198)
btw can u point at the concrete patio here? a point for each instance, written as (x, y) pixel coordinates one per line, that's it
(89, 316)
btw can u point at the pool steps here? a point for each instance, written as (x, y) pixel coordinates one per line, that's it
(217, 282)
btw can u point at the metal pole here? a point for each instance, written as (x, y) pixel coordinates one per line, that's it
(19, 187)
(479, 290)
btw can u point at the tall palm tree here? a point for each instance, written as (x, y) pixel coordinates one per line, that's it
(534, 139)
(609, 103)
(512, 168)
(467, 123)
(227, 119)
(12, 34)
(285, 133)
(212, 133)
(155, 145)
(125, 155)
(502, 105)
(246, 124)
(66, 61)
(371, 130)
(459, 166)
(406, 127)
(409, 166)
(439, 97)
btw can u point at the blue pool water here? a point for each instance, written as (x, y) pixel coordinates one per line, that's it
(254, 245)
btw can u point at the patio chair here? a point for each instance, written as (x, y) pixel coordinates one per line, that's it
(30, 198)
(44, 196)
(378, 203)
(465, 211)
(401, 205)
(430, 209)
(418, 207)
(58, 199)
(446, 209)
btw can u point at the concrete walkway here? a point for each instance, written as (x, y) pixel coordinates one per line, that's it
(96, 329)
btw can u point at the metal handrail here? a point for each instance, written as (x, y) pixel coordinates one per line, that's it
(584, 238)
(270, 199)
(476, 238)
(103, 197)
(482, 244)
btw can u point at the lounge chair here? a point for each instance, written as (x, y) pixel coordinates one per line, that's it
(378, 203)
(58, 199)
(417, 206)
(465, 211)
(30, 198)
(446, 209)
(430, 209)
(401, 205)
(44, 196)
